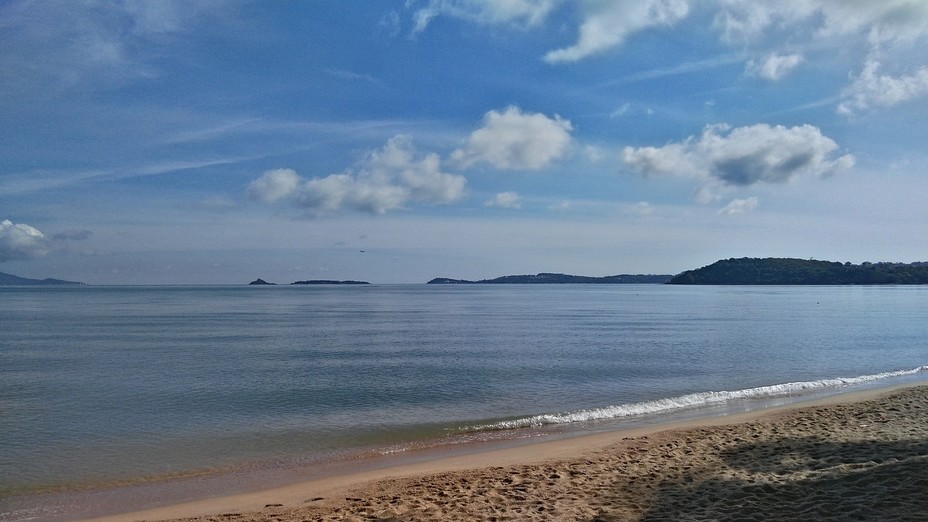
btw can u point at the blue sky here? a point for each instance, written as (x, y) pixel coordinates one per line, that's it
(180, 142)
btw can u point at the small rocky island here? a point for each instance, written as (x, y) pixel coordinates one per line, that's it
(549, 278)
(261, 282)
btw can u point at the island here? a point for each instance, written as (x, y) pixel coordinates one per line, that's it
(549, 278)
(328, 282)
(262, 282)
(791, 271)
(12, 280)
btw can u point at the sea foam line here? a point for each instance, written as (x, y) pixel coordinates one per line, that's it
(692, 400)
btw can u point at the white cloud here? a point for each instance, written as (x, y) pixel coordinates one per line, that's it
(739, 206)
(421, 178)
(519, 12)
(274, 185)
(505, 200)
(774, 66)
(517, 141)
(386, 180)
(743, 156)
(886, 27)
(871, 89)
(608, 24)
(338, 191)
(747, 21)
(21, 241)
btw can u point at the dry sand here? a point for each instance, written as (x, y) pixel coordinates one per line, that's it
(861, 460)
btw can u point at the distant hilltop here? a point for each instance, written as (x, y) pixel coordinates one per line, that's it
(789, 271)
(12, 280)
(260, 281)
(547, 278)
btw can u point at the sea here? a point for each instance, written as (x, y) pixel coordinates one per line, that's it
(130, 397)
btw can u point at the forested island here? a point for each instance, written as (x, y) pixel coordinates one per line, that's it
(790, 271)
(12, 280)
(547, 278)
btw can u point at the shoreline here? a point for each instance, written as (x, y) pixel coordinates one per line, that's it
(674, 460)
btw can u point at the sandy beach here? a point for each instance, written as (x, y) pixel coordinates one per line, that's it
(853, 457)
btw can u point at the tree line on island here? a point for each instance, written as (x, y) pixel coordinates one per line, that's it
(740, 271)
(548, 278)
(790, 271)
(746, 271)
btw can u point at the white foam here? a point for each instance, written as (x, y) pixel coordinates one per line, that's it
(693, 400)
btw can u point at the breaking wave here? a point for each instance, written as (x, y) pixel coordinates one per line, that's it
(693, 400)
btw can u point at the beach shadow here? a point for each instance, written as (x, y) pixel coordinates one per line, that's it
(804, 479)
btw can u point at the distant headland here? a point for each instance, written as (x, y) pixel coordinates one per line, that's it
(548, 278)
(790, 271)
(260, 281)
(12, 280)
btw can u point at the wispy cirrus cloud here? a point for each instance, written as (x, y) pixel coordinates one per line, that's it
(78, 45)
(755, 28)
(515, 12)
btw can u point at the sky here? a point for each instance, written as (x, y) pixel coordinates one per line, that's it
(216, 142)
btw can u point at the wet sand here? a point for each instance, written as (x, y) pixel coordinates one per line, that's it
(851, 457)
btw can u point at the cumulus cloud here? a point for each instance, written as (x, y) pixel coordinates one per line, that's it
(514, 140)
(505, 200)
(739, 206)
(743, 156)
(608, 24)
(519, 12)
(274, 185)
(21, 241)
(388, 179)
(871, 89)
(774, 66)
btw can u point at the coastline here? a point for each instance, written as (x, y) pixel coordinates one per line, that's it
(859, 454)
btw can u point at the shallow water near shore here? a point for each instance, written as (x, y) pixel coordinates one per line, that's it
(109, 385)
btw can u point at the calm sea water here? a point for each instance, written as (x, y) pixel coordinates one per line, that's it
(106, 384)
